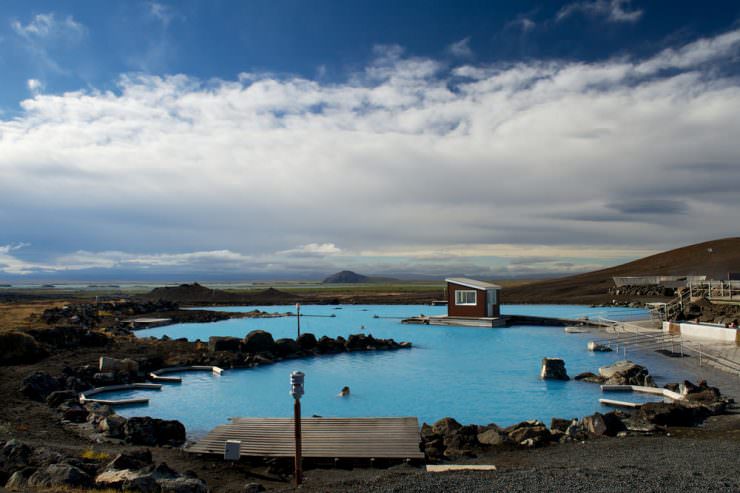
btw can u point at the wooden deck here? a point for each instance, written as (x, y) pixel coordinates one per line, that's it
(341, 438)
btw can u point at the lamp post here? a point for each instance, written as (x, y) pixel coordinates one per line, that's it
(296, 390)
(298, 317)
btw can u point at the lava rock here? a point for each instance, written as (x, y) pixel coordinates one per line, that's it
(258, 341)
(595, 424)
(446, 426)
(253, 488)
(18, 481)
(14, 455)
(218, 343)
(182, 485)
(18, 348)
(360, 341)
(59, 396)
(553, 369)
(536, 430)
(113, 426)
(307, 342)
(491, 435)
(626, 373)
(699, 393)
(286, 347)
(39, 385)
(327, 345)
(560, 424)
(152, 432)
(589, 377)
(74, 413)
(614, 423)
(130, 459)
(58, 476)
(427, 433)
(598, 348)
(673, 414)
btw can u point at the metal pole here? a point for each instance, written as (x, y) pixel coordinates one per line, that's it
(298, 470)
(298, 308)
(296, 390)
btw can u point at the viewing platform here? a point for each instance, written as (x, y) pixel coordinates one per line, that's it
(323, 438)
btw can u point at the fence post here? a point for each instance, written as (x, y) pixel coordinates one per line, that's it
(699, 354)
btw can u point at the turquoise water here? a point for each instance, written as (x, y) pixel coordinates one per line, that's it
(475, 375)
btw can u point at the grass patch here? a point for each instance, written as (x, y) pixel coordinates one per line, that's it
(91, 454)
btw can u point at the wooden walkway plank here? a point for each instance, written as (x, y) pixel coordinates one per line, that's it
(392, 438)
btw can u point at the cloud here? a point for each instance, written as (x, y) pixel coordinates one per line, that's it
(211, 261)
(461, 49)
(46, 33)
(611, 10)
(694, 54)
(34, 85)
(650, 206)
(408, 164)
(165, 14)
(312, 250)
(47, 26)
(524, 23)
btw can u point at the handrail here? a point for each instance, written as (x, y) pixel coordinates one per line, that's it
(626, 339)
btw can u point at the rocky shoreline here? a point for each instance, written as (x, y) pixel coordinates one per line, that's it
(447, 439)
(22, 466)
(48, 439)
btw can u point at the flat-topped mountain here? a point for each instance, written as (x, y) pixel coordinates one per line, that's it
(346, 276)
(349, 277)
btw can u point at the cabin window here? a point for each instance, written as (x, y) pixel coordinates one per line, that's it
(465, 297)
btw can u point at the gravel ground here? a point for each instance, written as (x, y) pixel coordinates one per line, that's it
(645, 464)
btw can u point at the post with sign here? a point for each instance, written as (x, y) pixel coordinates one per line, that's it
(298, 317)
(296, 390)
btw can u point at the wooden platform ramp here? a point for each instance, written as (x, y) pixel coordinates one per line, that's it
(342, 438)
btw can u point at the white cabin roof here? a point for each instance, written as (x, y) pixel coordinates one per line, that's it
(472, 283)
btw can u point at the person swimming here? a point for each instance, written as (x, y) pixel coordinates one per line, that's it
(344, 392)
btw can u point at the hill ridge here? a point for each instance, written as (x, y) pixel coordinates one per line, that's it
(714, 258)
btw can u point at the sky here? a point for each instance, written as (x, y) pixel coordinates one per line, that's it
(227, 140)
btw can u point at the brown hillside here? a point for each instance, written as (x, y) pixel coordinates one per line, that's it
(592, 287)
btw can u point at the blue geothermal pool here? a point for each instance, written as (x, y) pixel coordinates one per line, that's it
(475, 375)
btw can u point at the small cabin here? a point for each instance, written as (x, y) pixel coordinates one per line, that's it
(471, 298)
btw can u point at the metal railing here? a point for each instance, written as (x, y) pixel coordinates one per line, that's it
(633, 337)
(720, 290)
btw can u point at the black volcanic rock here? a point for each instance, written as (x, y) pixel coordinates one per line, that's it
(17, 348)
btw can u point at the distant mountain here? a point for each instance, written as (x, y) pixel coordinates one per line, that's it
(349, 277)
(715, 259)
(196, 294)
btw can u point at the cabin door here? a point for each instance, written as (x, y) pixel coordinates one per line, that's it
(491, 303)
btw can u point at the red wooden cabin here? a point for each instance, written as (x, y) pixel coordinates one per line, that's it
(471, 298)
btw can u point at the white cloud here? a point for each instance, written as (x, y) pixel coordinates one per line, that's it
(48, 26)
(34, 85)
(312, 249)
(163, 13)
(525, 24)
(198, 261)
(407, 158)
(461, 49)
(611, 10)
(46, 33)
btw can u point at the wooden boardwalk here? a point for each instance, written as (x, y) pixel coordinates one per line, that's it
(342, 438)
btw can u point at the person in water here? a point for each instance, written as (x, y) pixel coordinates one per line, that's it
(344, 392)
